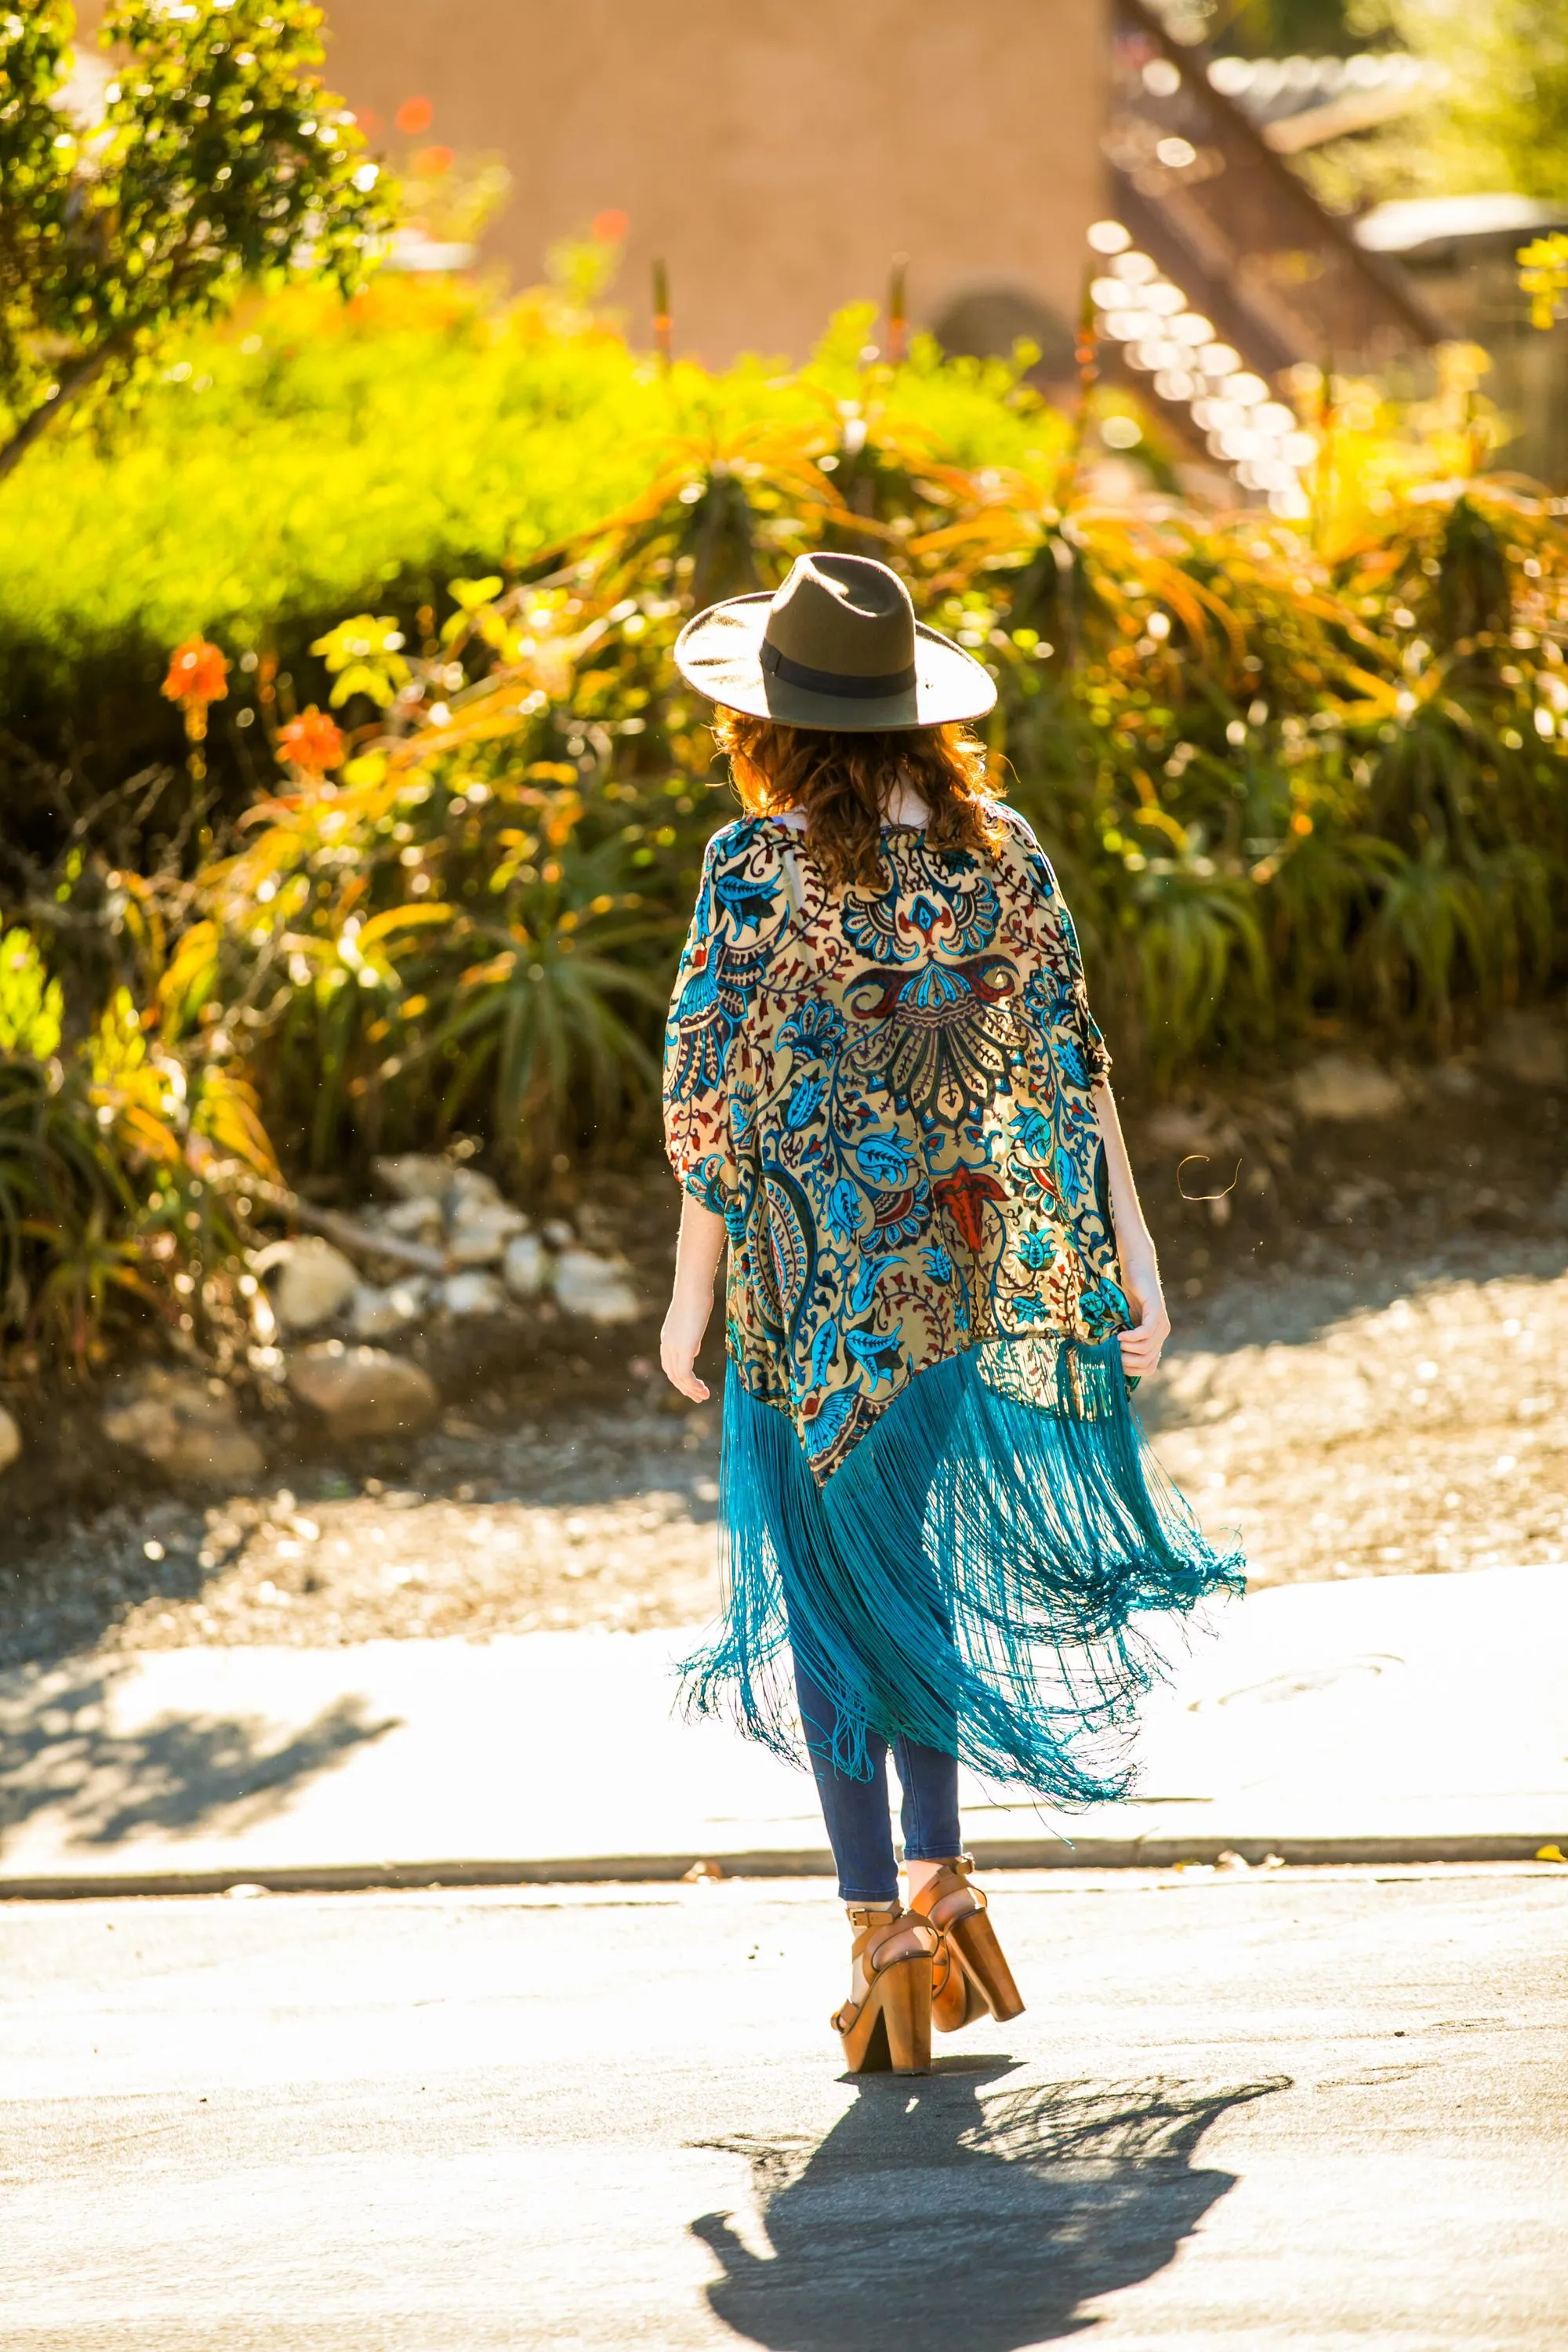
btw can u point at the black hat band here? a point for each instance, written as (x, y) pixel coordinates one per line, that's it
(833, 681)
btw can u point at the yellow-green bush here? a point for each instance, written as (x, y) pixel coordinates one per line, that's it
(314, 460)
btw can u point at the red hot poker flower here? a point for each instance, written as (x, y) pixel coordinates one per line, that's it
(312, 742)
(198, 674)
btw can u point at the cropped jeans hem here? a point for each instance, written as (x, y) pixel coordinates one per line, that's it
(857, 1813)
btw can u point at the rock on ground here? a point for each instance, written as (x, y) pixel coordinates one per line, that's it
(315, 1286)
(595, 1287)
(377, 1314)
(1531, 1047)
(416, 1175)
(481, 1233)
(418, 1220)
(443, 1200)
(363, 1391)
(1346, 1086)
(523, 1267)
(473, 1293)
(187, 1427)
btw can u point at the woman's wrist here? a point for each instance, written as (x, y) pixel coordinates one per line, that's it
(1139, 1266)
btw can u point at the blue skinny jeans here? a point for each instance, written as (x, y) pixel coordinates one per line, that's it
(857, 1813)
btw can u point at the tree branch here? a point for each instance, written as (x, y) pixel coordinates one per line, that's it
(363, 1240)
(74, 381)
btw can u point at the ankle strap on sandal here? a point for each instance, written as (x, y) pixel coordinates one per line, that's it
(951, 1877)
(874, 1922)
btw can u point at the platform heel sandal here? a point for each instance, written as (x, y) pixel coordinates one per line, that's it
(889, 2029)
(969, 1976)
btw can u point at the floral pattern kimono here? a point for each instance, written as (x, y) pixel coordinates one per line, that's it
(933, 1488)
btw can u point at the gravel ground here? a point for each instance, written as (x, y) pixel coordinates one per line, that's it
(497, 1528)
(1370, 1376)
(1430, 1432)
(1426, 1433)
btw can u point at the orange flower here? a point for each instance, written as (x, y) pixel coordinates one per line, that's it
(312, 742)
(433, 161)
(198, 675)
(415, 114)
(609, 228)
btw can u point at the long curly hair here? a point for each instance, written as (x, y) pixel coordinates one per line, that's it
(842, 782)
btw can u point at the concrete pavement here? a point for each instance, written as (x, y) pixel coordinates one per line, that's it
(1311, 2109)
(1392, 1717)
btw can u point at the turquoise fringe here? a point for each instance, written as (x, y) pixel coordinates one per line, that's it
(979, 1575)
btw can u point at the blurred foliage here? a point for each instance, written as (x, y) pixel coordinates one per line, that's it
(315, 460)
(1262, 28)
(1376, 452)
(1299, 783)
(1503, 120)
(1543, 275)
(449, 197)
(218, 160)
(1499, 121)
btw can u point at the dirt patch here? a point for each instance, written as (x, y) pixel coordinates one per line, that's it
(1370, 1376)
(495, 1524)
(1427, 1434)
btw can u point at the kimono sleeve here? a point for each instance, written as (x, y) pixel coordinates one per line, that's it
(1076, 1030)
(704, 1014)
(1084, 1029)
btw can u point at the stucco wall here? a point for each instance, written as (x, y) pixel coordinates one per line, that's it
(775, 153)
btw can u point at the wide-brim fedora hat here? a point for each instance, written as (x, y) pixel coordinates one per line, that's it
(837, 646)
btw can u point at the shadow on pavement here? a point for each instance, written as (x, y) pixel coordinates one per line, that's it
(929, 2218)
(59, 1752)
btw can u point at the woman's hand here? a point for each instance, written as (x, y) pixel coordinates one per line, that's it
(1141, 1345)
(679, 1341)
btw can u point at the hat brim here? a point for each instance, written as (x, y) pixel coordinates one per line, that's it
(719, 652)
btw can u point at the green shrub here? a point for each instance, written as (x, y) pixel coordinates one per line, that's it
(1285, 797)
(124, 1169)
(1293, 794)
(215, 161)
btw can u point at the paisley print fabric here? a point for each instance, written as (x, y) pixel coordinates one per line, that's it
(888, 1095)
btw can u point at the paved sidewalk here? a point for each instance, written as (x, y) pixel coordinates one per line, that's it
(1288, 2111)
(1410, 1718)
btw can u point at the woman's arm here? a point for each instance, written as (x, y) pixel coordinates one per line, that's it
(1135, 1246)
(697, 1256)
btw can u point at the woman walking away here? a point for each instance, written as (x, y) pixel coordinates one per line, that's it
(884, 1088)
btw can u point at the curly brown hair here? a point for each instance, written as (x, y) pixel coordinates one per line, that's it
(844, 781)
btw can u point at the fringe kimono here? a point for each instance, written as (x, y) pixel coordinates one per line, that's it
(933, 1487)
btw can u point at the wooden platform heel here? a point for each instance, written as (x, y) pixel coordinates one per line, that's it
(969, 1976)
(889, 2029)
